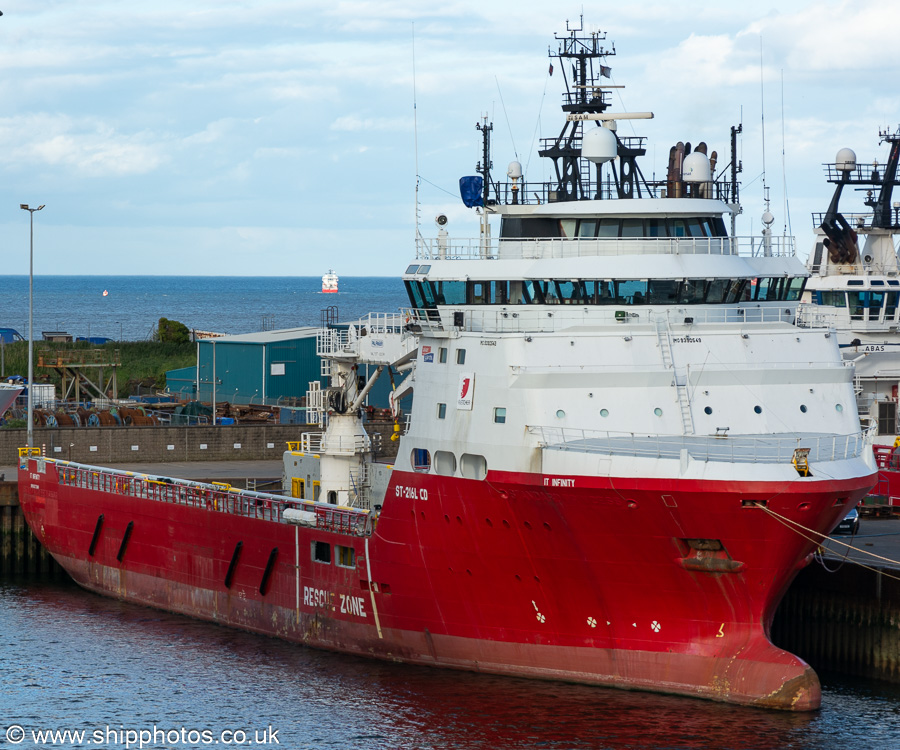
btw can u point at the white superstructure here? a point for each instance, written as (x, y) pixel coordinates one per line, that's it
(854, 285)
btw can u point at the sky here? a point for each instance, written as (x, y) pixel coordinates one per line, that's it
(277, 137)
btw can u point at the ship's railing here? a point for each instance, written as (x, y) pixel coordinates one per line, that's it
(733, 449)
(445, 248)
(332, 341)
(346, 341)
(540, 319)
(531, 193)
(216, 498)
(314, 442)
(837, 318)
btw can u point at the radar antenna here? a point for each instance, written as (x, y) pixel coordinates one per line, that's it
(585, 101)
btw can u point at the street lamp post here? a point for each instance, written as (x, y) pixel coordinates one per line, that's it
(30, 438)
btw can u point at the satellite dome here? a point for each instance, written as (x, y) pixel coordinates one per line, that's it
(845, 160)
(514, 170)
(695, 167)
(599, 145)
(767, 218)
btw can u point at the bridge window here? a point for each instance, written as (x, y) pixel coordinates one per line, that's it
(876, 300)
(604, 292)
(890, 305)
(500, 414)
(587, 228)
(656, 228)
(460, 356)
(738, 291)
(856, 301)
(442, 411)
(831, 298)
(569, 292)
(632, 292)
(608, 228)
(794, 288)
(693, 292)
(663, 291)
(633, 228)
(718, 291)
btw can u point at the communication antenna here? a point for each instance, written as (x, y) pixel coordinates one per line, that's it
(762, 117)
(787, 211)
(415, 130)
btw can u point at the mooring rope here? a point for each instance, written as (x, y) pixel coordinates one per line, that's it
(796, 527)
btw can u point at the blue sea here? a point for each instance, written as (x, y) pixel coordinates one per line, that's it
(129, 307)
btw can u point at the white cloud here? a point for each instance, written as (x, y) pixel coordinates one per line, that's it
(88, 147)
(354, 123)
(233, 114)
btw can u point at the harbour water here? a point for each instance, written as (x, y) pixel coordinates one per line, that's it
(133, 305)
(79, 662)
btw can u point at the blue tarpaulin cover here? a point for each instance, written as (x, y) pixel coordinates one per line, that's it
(470, 190)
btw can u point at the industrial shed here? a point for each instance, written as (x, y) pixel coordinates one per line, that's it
(270, 367)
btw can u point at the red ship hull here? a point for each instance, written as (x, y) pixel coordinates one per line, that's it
(620, 583)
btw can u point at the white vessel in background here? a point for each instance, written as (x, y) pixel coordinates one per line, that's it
(856, 290)
(330, 283)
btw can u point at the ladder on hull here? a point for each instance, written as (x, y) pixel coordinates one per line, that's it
(679, 374)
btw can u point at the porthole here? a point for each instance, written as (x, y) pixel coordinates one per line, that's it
(839, 407)
(604, 412)
(421, 460)
(707, 410)
(472, 466)
(560, 414)
(444, 463)
(803, 408)
(657, 411)
(757, 409)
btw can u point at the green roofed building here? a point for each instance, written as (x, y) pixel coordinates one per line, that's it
(273, 368)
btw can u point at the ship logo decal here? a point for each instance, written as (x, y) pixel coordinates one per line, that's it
(465, 391)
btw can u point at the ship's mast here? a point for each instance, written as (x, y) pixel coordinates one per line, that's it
(585, 102)
(484, 169)
(884, 217)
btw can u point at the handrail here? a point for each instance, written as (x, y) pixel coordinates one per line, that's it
(215, 497)
(550, 318)
(735, 449)
(444, 248)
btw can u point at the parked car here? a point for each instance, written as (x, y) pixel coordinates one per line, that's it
(849, 524)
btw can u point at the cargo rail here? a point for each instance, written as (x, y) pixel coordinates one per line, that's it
(215, 497)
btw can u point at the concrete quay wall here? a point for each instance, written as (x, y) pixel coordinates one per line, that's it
(117, 445)
(846, 621)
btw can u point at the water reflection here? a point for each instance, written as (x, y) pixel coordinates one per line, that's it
(75, 660)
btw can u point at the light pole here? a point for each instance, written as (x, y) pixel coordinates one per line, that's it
(30, 439)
